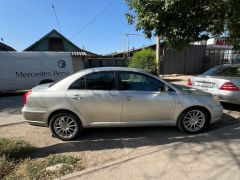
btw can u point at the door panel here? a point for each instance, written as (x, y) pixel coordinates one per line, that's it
(98, 107)
(96, 97)
(147, 106)
(145, 99)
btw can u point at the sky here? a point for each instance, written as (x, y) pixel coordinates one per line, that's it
(97, 25)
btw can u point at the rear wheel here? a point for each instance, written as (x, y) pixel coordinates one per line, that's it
(193, 121)
(65, 126)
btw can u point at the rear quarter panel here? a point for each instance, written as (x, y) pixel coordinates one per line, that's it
(48, 102)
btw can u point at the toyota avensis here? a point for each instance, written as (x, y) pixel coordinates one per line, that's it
(114, 97)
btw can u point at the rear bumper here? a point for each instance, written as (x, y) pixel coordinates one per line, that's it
(36, 118)
(216, 112)
(233, 98)
(224, 96)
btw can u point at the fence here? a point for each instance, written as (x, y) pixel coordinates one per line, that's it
(105, 62)
(188, 61)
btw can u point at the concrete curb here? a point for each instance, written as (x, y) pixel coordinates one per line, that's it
(116, 162)
(134, 156)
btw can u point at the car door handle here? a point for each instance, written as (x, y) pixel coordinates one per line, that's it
(129, 98)
(77, 97)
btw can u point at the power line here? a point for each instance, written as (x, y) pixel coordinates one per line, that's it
(93, 19)
(55, 12)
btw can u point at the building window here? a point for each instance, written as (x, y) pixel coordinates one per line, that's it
(55, 44)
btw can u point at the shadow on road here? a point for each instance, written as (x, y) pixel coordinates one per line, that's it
(231, 107)
(12, 93)
(134, 137)
(11, 104)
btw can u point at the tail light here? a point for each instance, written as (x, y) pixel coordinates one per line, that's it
(228, 86)
(25, 96)
(189, 82)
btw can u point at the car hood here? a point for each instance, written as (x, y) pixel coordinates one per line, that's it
(192, 91)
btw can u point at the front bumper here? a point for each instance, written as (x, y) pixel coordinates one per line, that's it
(36, 118)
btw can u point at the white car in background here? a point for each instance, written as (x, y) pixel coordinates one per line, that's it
(223, 81)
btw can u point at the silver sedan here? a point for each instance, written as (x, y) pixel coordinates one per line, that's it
(116, 96)
(223, 81)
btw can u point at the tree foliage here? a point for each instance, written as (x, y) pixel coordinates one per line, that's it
(145, 60)
(180, 22)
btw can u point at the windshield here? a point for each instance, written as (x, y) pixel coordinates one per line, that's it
(223, 71)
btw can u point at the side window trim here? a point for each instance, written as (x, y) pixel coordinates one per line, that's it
(71, 88)
(137, 73)
(85, 86)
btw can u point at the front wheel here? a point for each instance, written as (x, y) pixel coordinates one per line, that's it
(65, 126)
(193, 121)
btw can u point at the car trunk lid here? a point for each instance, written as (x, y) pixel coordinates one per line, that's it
(41, 87)
(212, 83)
(205, 82)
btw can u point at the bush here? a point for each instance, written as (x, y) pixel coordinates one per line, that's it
(145, 60)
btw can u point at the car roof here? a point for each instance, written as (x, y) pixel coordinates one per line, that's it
(61, 85)
(110, 69)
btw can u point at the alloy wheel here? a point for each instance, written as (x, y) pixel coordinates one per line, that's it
(194, 120)
(65, 127)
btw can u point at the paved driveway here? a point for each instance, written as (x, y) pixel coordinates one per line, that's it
(10, 108)
(215, 155)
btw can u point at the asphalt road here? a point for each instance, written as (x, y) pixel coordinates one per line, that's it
(10, 108)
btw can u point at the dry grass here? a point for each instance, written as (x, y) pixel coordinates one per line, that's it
(17, 161)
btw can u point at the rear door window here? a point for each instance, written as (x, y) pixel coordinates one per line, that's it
(78, 84)
(100, 81)
(96, 81)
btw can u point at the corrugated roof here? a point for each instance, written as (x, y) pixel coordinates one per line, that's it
(79, 53)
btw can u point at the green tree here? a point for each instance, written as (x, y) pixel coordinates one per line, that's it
(179, 22)
(145, 60)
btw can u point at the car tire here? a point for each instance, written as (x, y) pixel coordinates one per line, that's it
(65, 126)
(193, 120)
